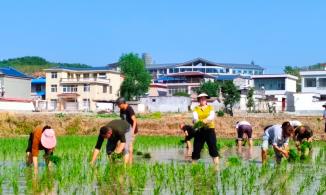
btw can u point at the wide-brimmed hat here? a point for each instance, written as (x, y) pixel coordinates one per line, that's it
(202, 95)
(48, 139)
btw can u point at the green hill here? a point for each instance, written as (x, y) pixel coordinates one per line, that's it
(33, 64)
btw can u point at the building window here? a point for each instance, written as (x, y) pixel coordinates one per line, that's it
(310, 82)
(110, 89)
(175, 90)
(269, 84)
(102, 75)
(87, 87)
(53, 104)
(54, 75)
(86, 76)
(105, 88)
(86, 103)
(322, 82)
(69, 88)
(322, 97)
(54, 88)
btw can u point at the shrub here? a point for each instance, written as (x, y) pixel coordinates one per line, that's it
(220, 113)
(74, 126)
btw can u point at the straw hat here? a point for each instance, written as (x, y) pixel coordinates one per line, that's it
(48, 139)
(202, 95)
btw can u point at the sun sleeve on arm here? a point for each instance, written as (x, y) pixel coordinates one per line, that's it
(99, 142)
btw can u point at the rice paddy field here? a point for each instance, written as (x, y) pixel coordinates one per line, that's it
(161, 166)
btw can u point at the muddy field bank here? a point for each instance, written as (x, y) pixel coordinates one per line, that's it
(18, 124)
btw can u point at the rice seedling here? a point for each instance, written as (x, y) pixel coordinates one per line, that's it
(293, 155)
(234, 161)
(74, 175)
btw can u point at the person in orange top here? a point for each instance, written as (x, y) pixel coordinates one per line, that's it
(40, 139)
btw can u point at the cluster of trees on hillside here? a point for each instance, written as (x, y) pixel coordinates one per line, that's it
(35, 64)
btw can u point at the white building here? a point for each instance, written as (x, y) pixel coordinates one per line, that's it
(314, 82)
(275, 84)
(278, 88)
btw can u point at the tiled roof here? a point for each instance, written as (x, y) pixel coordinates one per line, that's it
(171, 65)
(226, 65)
(8, 71)
(40, 80)
(82, 69)
(230, 77)
(242, 66)
(192, 73)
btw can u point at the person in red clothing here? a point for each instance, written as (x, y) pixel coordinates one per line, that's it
(42, 138)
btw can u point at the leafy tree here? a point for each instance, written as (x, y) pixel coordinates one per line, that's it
(136, 78)
(250, 99)
(231, 95)
(210, 88)
(295, 71)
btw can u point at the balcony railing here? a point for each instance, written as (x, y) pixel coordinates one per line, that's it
(85, 80)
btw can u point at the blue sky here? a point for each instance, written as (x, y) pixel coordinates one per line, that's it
(273, 34)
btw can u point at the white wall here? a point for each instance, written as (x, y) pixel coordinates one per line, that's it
(290, 85)
(166, 104)
(307, 102)
(17, 88)
(18, 106)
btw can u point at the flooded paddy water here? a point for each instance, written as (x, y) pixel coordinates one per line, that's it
(168, 171)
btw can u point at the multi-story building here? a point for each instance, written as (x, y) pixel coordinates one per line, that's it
(186, 82)
(204, 66)
(198, 65)
(314, 81)
(81, 88)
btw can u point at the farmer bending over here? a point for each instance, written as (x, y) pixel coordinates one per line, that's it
(301, 134)
(277, 136)
(189, 133)
(243, 127)
(42, 138)
(115, 131)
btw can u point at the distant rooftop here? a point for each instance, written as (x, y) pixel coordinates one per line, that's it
(40, 80)
(8, 71)
(196, 61)
(230, 77)
(266, 76)
(100, 68)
